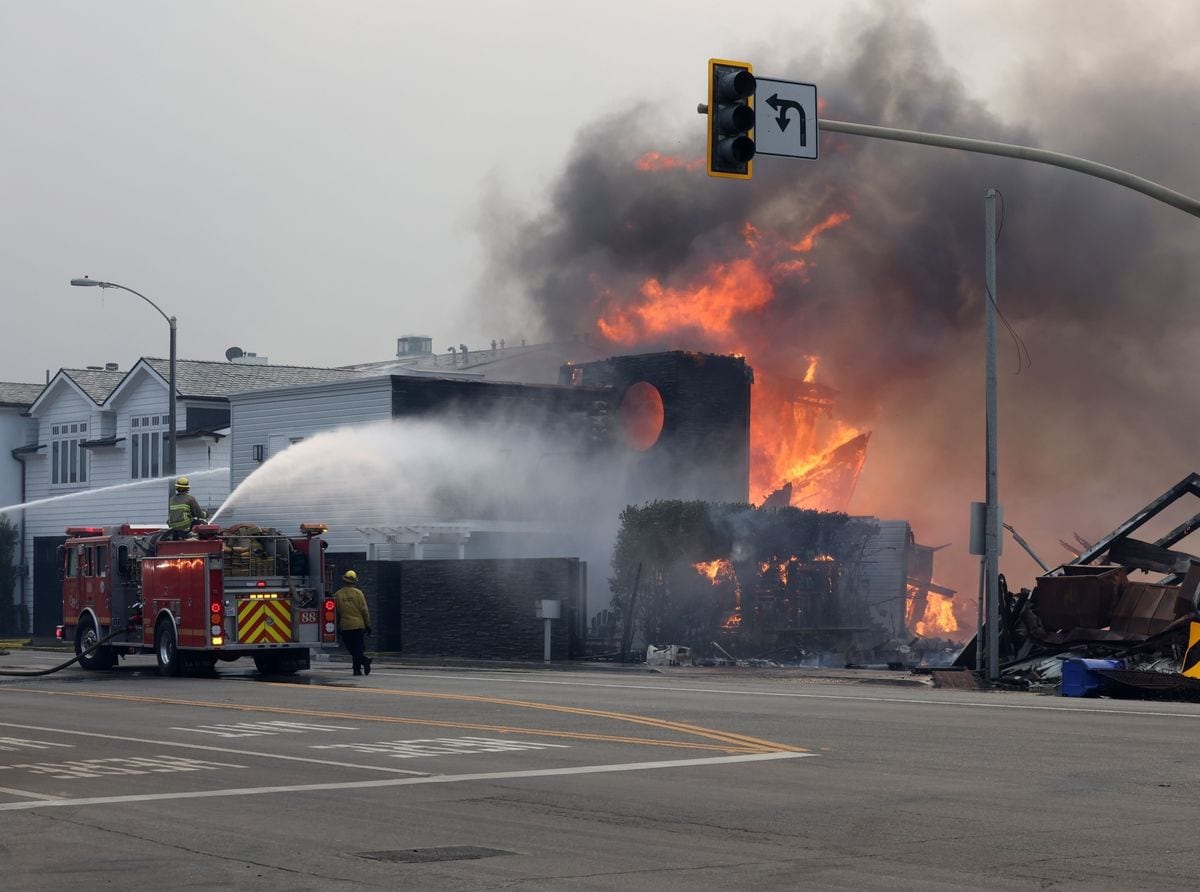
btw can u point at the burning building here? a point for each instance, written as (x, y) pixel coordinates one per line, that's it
(870, 261)
(783, 584)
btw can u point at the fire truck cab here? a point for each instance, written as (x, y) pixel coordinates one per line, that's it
(221, 594)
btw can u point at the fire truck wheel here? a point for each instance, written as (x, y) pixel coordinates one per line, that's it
(85, 637)
(166, 648)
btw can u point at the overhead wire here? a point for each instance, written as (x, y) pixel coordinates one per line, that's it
(1024, 360)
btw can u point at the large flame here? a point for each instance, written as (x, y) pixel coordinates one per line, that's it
(800, 454)
(718, 572)
(936, 620)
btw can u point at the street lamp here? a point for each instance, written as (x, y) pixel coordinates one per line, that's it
(169, 459)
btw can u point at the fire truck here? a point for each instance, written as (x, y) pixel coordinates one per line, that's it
(221, 594)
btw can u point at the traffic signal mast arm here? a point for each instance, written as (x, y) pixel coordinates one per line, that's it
(1024, 153)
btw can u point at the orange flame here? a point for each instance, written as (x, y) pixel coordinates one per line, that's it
(659, 161)
(794, 437)
(732, 289)
(938, 618)
(811, 375)
(716, 571)
(810, 238)
(721, 571)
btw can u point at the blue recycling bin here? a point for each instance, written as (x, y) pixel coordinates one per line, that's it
(1078, 679)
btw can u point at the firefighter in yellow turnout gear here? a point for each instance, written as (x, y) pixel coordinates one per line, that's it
(184, 510)
(354, 621)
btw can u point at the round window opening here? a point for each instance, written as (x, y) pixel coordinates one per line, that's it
(641, 415)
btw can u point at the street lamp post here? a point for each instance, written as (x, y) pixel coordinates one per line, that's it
(169, 458)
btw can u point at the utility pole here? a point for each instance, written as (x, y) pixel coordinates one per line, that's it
(992, 528)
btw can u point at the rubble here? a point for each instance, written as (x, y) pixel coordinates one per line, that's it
(1098, 625)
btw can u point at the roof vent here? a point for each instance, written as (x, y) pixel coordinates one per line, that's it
(95, 368)
(111, 367)
(413, 345)
(249, 358)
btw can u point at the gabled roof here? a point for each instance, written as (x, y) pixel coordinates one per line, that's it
(203, 379)
(92, 384)
(96, 383)
(19, 395)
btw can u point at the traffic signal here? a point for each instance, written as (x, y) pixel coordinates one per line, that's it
(730, 119)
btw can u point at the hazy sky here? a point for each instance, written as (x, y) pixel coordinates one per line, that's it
(311, 180)
(303, 179)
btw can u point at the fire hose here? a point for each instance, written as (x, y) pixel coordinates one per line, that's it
(33, 673)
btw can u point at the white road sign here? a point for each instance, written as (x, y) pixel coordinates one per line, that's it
(785, 118)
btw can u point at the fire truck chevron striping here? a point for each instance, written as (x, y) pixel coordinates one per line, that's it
(264, 622)
(221, 594)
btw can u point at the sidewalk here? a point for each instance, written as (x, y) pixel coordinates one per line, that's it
(900, 678)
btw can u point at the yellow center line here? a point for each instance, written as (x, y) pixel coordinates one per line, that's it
(397, 720)
(740, 740)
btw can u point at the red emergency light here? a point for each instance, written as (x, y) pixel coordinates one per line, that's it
(329, 629)
(85, 531)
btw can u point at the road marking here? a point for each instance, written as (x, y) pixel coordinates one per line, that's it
(77, 769)
(212, 749)
(441, 746)
(727, 747)
(740, 741)
(13, 744)
(407, 781)
(260, 729)
(13, 792)
(662, 689)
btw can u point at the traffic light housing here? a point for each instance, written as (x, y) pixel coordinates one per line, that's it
(730, 119)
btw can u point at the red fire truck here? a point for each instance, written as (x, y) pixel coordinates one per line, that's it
(222, 594)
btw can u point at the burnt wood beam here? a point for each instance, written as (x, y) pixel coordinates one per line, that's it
(1138, 555)
(1189, 484)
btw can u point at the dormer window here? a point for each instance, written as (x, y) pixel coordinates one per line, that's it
(68, 462)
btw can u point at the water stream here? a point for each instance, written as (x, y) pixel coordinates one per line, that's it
(21, 506)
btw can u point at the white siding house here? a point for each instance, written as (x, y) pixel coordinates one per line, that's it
(16, 429)
(96, 452)
(267, 422)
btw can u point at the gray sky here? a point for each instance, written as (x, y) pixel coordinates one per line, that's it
(310, 180)
(303, 179)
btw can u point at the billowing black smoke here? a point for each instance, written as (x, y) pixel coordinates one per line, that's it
(1099, 282)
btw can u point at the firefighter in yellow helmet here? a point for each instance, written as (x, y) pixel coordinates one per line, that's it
(354, 621)
(184, 511)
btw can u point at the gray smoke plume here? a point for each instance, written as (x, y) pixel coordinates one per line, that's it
(1099, 282)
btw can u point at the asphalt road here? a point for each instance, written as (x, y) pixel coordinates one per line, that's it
(545, 780)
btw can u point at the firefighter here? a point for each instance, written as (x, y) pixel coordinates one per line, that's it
(185, 512)
(354, 621)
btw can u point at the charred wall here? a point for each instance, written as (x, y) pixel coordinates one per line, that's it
(544, 407)
(703, 448)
